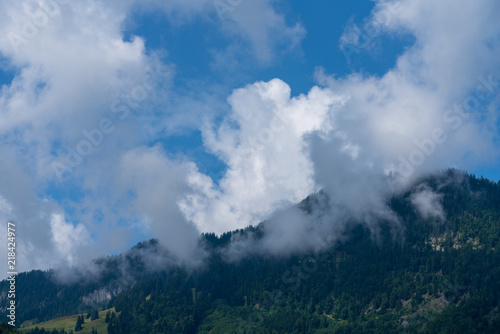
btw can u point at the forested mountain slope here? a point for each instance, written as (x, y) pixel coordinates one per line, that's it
(433, 275)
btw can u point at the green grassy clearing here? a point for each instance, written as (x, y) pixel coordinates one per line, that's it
(68, 323)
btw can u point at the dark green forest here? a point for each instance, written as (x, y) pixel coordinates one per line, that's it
(6, 329)
(431, 276)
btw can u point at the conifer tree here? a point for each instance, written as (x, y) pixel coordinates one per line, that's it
(108, 316)
(94, 315)
(79, 323)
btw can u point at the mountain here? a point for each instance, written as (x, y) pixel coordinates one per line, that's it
(437, 271)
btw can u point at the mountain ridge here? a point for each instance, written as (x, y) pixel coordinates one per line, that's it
(426, 272)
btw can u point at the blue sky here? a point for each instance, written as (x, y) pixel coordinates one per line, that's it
(191, 49)
(124, 120)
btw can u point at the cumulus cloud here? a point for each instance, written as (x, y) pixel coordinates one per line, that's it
(432, 110)
(263, 142)
(68, 65)
(75, 76)
(436, 108)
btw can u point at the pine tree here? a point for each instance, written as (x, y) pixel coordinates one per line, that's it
(108, 316)
(94, 315)
(79, 323)
(113, 325)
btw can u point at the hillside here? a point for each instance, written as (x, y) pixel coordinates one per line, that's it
(68, 324)
(431, 275)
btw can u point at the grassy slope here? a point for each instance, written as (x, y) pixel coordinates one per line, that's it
(69, 322)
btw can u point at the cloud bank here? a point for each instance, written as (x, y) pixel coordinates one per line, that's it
(79, 86)
(369, 137)
(78, 117)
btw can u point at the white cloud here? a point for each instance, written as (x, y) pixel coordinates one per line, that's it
(258, 21)
(71, 64)
(68, 239)
(263, 144)
(428, 203)
(5, 207)
(158, 184)
(343, 137)
(69, 73)
(404, 119)
(429, 111)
